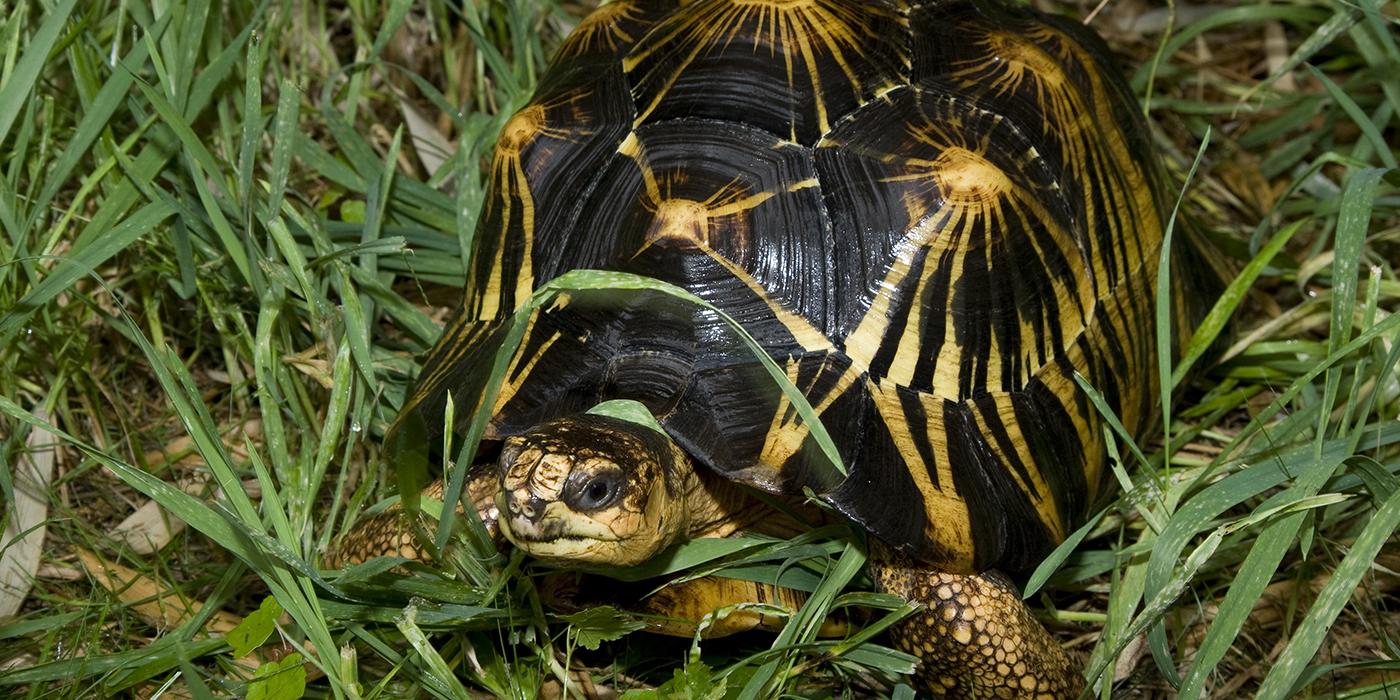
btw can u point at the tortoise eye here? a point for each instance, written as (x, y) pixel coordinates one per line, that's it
(598, 492)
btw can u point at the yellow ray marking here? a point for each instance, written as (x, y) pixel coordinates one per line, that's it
(804, 44)
(1086, 428)
(737, 206)
(525, 277)
(679, 219)
(632, 148)
(976, 188)
(782, 440)
(806, 335)
(510, 184)
(1029, 59)
(948, 364)
(451, 355)
(865, 340)
(947, 516)
(1091, 139)
(958, 191)
(686, 219)
(966, 177)
(521, 129)
(601, 30)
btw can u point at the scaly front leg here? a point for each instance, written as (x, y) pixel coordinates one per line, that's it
(389, 534)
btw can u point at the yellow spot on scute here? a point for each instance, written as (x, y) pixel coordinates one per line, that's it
(680, 220)
(965, 177)
(522, 129)
(1026, 56)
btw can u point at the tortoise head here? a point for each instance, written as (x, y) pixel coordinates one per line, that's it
(591, 489)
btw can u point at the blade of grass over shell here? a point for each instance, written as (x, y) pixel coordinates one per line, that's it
(1106, 412)
(584, 280)
(594, 280)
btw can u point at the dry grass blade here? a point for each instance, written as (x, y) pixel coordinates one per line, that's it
(26, 524)
(156, 603)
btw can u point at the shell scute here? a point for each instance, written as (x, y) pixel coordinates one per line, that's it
(792, 67)
(545, 155)
(718, 208)
(974, 278)
(1051, 80)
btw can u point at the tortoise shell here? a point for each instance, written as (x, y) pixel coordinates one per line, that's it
(930, 215)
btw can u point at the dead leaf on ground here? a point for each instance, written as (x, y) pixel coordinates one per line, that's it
(23, 541)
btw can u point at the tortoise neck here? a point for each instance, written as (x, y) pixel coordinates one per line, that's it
(716, 506)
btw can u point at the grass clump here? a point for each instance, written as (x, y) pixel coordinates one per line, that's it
(231, 228)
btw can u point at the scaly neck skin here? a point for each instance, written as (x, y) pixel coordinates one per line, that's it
(716, 507)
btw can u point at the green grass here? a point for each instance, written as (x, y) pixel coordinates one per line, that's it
(226, 243)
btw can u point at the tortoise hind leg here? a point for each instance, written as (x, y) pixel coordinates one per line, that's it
(975, 637)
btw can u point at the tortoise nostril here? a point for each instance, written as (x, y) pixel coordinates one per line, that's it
(526, 505)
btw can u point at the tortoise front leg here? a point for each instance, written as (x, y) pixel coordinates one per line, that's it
(975, 636)
(389, 534)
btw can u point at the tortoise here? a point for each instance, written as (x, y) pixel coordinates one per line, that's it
(930, 216)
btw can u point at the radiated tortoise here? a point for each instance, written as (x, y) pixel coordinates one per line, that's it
(929, 215)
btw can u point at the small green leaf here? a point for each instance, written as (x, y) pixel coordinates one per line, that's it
(279, 680)
(594, 626)
(353, 211)
(627, 410)
(694, 682)
(254, 629)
